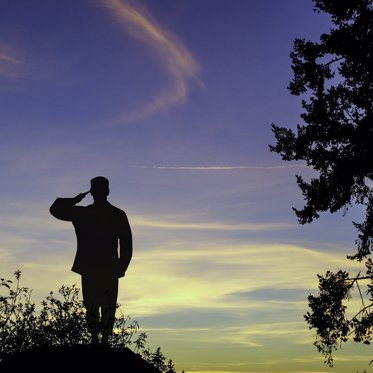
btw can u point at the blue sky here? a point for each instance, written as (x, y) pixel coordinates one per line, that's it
(172, 100)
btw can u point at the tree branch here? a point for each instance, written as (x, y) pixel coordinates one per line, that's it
(332, 61)
(361, 311)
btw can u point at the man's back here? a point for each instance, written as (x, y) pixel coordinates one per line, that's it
(98, 228)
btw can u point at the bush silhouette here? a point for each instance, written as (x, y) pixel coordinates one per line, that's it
(61, 322)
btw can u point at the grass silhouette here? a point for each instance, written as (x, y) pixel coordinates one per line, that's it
(58, 332)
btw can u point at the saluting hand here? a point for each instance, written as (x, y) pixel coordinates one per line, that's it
(80, 196)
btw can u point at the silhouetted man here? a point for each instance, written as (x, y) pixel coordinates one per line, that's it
(98, 229)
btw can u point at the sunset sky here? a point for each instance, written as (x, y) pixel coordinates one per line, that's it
(173, 101)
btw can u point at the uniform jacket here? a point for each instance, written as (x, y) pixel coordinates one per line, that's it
(101, 229)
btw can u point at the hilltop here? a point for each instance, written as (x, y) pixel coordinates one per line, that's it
(78, 358)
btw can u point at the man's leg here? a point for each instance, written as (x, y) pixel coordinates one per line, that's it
(108, 307)
(92, 308)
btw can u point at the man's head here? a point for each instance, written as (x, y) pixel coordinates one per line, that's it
(100, 187)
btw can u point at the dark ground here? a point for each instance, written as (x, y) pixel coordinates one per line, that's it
(77, 359)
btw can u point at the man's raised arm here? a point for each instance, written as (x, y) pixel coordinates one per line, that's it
(63, 208)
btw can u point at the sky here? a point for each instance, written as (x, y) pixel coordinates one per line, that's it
(173, 101)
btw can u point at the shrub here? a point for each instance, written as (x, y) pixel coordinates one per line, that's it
(60, 322)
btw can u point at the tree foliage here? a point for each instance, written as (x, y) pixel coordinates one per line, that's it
(328, 314)
(60, 321)
(334, 76)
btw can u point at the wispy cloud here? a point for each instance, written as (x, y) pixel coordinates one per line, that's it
(243, 334)
(201, 277)
(175, 58)
(6, 58)
(206, 226)
(9, 61)
(223, 168)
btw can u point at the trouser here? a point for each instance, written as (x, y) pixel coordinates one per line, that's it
(100, 294)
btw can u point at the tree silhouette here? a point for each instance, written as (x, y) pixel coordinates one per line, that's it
(158, 360)
(170, 367)
(335, 77)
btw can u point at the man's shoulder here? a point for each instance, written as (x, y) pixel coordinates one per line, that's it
(117, 210)
(108, 209)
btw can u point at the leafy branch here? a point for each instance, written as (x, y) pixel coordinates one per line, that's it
(328, 311)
